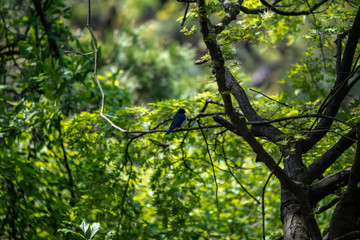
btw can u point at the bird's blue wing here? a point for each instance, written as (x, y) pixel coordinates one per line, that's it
(178, 119)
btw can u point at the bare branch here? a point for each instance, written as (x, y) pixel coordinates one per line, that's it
(225, 123)
(284, 104)
(88, 25)
(268, 131)
(329, 184)
(66, 52)
(318, 167)
(210, 100)
(232, 9)
(185, 17)
(329, 205)
(294, 117)
(263, 201)
(212, 165)
(66, 163)
(262, 155)
(354, 177)
(309, 11)
(124, 195)
(178, 130)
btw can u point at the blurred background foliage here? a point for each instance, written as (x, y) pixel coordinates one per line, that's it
(61, 163)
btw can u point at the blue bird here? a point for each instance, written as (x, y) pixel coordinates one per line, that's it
(178, 121)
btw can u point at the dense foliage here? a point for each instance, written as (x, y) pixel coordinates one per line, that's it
(66, 173)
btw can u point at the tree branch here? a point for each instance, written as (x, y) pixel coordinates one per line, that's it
(338, 42)
(226, 83)
(241, 129)
(228, 125)
(328, 205)
(350, 47)
(232, 9)
(212, 165)
(346, 214)
(354, 177)
(52, 44)
(310, 11)
(263, 201)
(265, 122)
(66, 163)
(328, 185)
(319, 166)
(268, 131)
(219, 103)
(340, 86)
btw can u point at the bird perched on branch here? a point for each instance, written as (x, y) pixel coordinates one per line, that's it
(178, 121)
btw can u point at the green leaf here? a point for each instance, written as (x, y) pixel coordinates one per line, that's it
(84, 226)
(94, 228)
(64, 230)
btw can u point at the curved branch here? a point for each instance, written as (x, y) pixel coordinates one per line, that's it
(232, 9)
(252, 10)
(310, 11)
(273, 6)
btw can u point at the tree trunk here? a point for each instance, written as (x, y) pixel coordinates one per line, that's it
(346, 217)
(292, 221)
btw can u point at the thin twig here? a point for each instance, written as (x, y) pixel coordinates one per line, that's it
(229, 168)
(127, 159)
(186, 10)
(219, 103)
(10, 47)
(177, 130)
(212, 165)
(88, 25)
(184, 157)
(263, 200)
(295, 117)
(66, 52)
(284, 104)
(66, 163)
